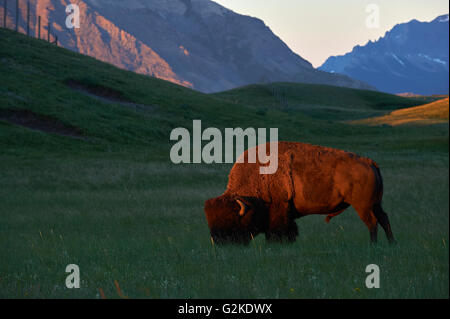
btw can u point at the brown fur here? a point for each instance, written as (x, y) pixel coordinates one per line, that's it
(310, 180)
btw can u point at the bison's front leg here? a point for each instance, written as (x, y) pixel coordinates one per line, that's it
(283, 235)
(282, 228)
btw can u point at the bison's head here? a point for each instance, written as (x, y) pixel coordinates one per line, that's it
(235, 219)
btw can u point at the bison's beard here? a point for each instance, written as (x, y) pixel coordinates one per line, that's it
(223, 237)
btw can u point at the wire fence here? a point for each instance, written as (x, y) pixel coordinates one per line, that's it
(15, 21)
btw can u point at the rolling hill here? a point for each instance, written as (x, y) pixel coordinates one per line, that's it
(108, 105)
(432, 113)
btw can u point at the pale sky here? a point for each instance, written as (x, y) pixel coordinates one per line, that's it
(316, 29)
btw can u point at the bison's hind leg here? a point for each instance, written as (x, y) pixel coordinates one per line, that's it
(383, 220)
(374, 216)
(367, 215)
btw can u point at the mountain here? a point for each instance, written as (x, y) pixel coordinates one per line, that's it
(412, 57)
(195, 43)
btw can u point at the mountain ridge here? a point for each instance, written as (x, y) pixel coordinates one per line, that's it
(194, 43)
(411, 57)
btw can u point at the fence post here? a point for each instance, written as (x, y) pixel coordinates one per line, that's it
(48, 31)
(56, 40)
(17, 15)
(28, 18)
(39, 27)
(4, 13)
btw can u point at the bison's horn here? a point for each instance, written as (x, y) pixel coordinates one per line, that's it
(243, 207)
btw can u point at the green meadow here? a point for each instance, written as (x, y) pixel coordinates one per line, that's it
(107, 197)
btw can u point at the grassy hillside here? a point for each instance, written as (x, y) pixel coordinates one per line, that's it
(318, 101)
(85, 178)
(431, 113)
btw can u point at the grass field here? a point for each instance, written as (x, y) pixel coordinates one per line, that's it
(111, 201)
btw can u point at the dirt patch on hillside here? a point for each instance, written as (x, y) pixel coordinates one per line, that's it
(105, 94)
(39, 122)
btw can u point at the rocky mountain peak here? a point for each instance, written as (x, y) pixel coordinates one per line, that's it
(411, 57)
(195, 43)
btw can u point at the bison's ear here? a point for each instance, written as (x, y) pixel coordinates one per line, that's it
(243, 209)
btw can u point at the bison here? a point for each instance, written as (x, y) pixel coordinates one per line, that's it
(310, 180)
